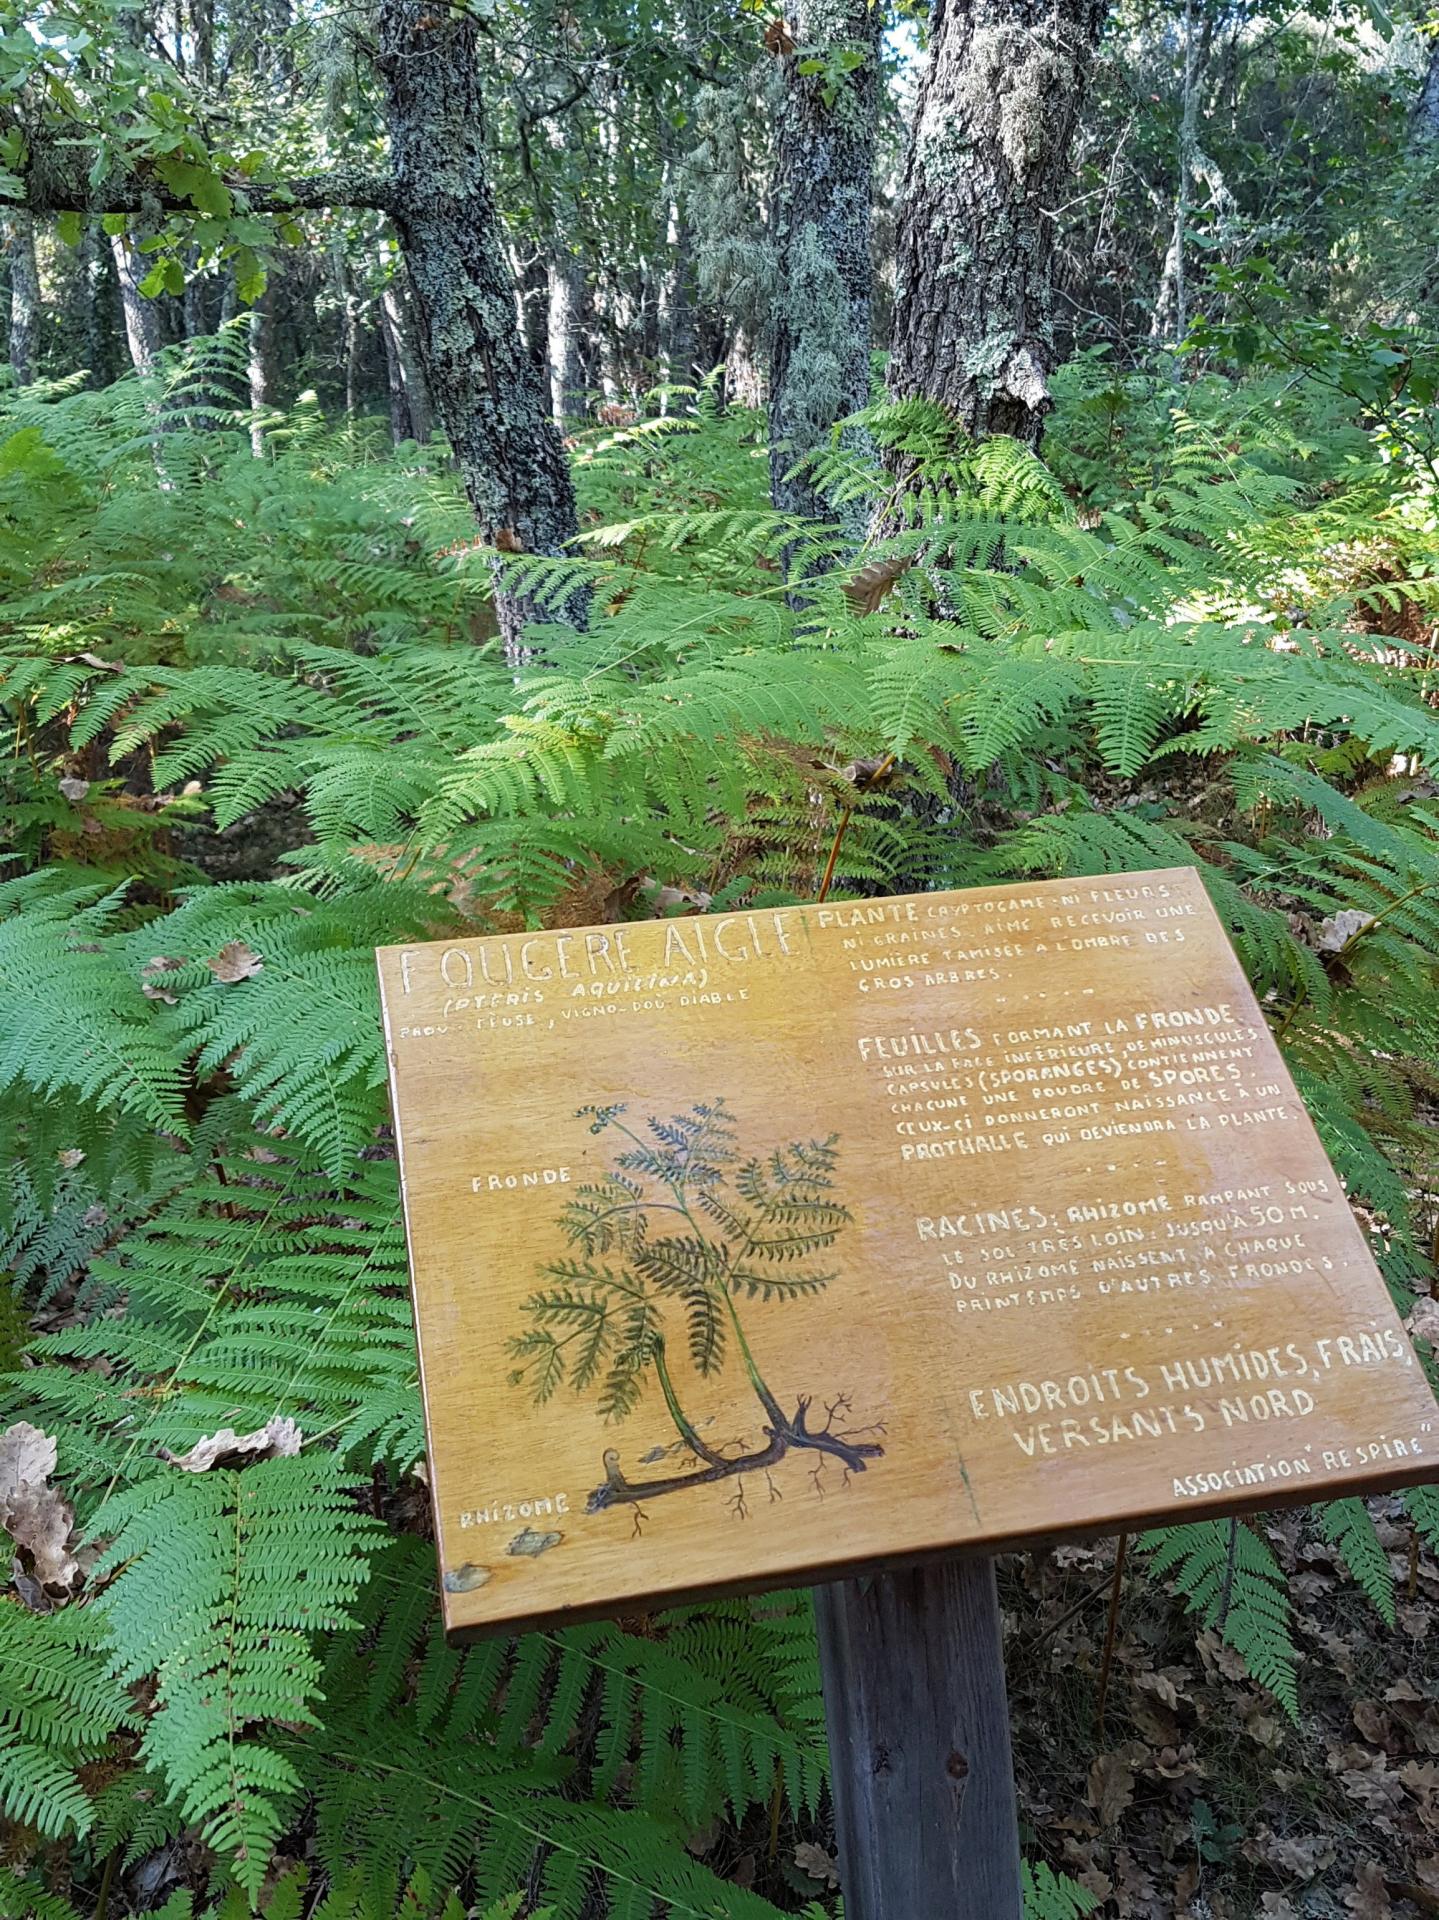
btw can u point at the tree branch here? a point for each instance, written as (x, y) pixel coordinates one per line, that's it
(65, 187)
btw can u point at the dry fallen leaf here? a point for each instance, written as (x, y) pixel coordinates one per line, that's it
(73, 789)
(1111, 1786)
(1301, 1857)
(1368, 1898)
(1339, 929)
(1423, 1322)
(26, 1454)
(235, 961)
(815, 1862)
(38, 1518)
(162, 963)
(277, 1439)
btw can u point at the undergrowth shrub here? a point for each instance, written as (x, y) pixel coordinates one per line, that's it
(1205, 643)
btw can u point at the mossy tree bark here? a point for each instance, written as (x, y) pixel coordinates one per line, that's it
(487, 388)
(820, 221)
(988, 161)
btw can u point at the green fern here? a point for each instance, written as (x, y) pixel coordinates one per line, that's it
(228, 1576)
(1229, 1577)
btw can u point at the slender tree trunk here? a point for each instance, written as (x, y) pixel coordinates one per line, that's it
(19, 231)
(678, 345)
(487, 390)
(819, 365)
(400, 427)
(348, 303)
(417, 395)
(260, 364)
(196, 317)
(988, 156)
(1426, 107)
(566, 305)
(532, 288)
(95, 268)
(142, 322)
(1170, 320)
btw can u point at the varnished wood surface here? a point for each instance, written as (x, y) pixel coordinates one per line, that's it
(1061, 1251)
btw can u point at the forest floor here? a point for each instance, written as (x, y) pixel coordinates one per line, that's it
(1198, 1799)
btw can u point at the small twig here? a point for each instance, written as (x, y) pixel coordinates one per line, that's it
(1080, 1604)
(1110, 1628)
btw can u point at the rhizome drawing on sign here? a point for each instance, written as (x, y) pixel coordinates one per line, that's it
(763, 1247)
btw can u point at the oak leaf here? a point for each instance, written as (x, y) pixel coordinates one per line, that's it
(235, 961)
(814, 1862)
(279, 1438)
(1111, 1786)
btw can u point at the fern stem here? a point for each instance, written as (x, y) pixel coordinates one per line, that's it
(683, 1425)
(824, 886)
(107, 1880)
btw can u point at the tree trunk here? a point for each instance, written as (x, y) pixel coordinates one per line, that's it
(532, 288)
(19, 233)
(988, 155)
(417, 395)
(197, 322)
(678, 345)
(1426, 107)
(262, 329)
(1170, 320)
(142, 322)
(567, 374)
(819, 363)
(488, 391)
(400, 428)
(95, 269)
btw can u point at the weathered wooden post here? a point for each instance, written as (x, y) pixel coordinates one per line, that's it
(923, 1782)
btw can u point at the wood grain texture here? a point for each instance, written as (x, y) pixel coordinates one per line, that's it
(773, 1246)
(922, 1775)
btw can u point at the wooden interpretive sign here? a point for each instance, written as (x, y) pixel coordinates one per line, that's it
(762, 1248)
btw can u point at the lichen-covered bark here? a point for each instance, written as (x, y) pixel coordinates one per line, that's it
(142, 321)
(19, 236)
(824, 168)
(486, 387)
(988, 159)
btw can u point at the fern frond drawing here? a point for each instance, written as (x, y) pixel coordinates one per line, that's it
(684, 1224)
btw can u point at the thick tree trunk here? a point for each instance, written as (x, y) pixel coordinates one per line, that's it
(19, 233)
(142, 322)
(486, 389)
(819, 362)
(988, 156)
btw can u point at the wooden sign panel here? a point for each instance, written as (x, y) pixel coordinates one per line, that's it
(755, 1249)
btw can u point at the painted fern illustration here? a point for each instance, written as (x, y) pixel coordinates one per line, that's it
(682, 1227)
